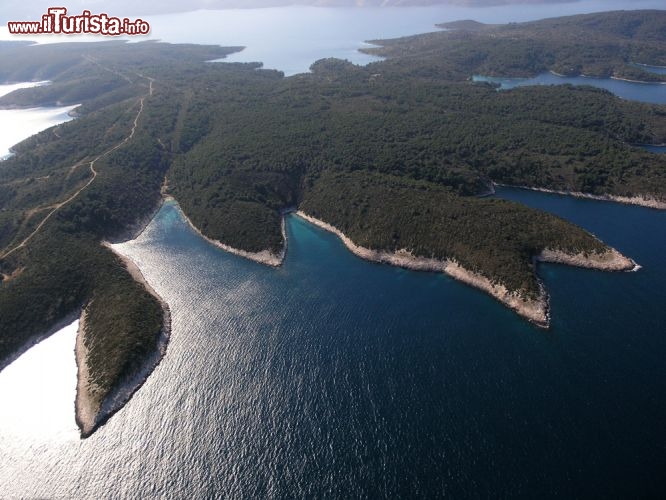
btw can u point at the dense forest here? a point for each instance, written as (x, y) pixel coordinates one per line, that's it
(395, 154)
(611, 44)
(386, 212)
(48, 185)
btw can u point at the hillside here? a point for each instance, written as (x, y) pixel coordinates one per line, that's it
(394, 155)
(607, 44)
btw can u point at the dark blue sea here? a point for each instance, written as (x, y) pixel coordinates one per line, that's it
(333, 377)
(655, 149)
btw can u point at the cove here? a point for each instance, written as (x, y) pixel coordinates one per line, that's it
(654, 93)
(333, 376)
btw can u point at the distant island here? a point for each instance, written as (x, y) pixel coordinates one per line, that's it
(20, 11)
(394, 157)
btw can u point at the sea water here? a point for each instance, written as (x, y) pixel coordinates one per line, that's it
(335, 377)
(654, 93)
(291, 38)
(19, 124)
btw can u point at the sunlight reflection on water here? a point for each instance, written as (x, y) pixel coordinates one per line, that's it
(19, 124)
(37, 391)
(11, 87)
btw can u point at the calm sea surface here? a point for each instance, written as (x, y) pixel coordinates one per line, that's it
(19, 124)
(332, 376)
(292, 38)
(654, 93)
(335, 377)
(655, 149)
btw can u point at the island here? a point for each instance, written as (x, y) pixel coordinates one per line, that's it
(395, 157)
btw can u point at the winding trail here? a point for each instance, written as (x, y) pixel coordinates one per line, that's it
(58, 206)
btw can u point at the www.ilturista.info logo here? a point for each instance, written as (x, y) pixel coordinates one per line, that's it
(56, 21)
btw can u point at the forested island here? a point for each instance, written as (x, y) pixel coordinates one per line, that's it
(392, 156)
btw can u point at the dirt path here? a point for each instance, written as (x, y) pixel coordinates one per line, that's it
(58, 206)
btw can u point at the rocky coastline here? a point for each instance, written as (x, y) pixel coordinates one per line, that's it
(640, 200)
(263, 257)
(536, 310)
(91, 414)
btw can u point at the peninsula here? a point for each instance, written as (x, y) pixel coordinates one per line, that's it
(392, 157)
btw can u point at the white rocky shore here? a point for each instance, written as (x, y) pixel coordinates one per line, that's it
(91, 414)
(535, 310)
(85, 409)
(264, 257)
(609, 261)
(643, 201)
